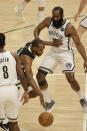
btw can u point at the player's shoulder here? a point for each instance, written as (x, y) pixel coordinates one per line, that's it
(70, 29)
(47, 21)
(48, 18)
(70, 26)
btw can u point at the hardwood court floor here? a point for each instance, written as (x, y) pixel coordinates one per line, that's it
(68, 115)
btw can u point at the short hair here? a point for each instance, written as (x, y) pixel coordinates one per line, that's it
(2, 40)
(58, 8)
(36, 42)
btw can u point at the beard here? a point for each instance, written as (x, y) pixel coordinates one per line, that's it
(57, 23)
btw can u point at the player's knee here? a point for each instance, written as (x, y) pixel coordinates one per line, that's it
(41, 75)
(41, 79)
(43, 83)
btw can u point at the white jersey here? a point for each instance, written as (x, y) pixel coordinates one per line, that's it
(59, 33)
(8, 74)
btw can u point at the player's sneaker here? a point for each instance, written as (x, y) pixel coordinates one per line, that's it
(5, 127)
(83, 103)
(49, 106)
(19, 12)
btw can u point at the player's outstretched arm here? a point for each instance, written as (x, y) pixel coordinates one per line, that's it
(28, 69)
(41, 26)
(73, 33)
(22, 77)
(55, 43)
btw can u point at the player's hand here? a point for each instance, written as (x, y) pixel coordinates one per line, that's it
(42, 100)
(57, 43)
(85, 65)
(25, 98)
(76, 16)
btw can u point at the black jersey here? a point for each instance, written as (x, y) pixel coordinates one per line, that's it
(26, 51)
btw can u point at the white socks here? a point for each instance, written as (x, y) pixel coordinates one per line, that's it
(46, 95)
(80, 94)
(22, 5)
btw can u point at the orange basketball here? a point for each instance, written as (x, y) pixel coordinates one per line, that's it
(46, 119)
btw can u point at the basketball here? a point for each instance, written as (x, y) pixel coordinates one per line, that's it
(46, 119)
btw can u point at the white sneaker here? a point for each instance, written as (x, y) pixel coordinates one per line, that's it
(19, 13)
(50, 106)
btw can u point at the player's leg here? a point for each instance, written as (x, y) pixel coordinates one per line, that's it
(47, 66)
(14, 126)
(43, 84)
(3, 126)
(68, 69)
(20, 7)
(41, 7)
(3, 97)
(75, 86)
(11, 108)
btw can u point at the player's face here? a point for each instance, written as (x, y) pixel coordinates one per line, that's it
(57, 19)
(40, 49)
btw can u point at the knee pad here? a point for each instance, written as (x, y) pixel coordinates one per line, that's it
(41, 3)
(42, 83)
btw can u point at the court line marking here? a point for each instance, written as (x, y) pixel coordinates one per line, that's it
(62, 74)
(23, 129)
(85, 114)
(34, 25)
(19, 28)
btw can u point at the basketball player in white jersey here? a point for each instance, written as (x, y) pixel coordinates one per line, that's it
(9, 68)
(20, 8)
(59, 28)
(83, 24)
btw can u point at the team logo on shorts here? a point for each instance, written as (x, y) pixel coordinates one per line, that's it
(68, 65)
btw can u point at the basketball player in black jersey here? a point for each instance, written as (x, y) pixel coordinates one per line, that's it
(27, 54)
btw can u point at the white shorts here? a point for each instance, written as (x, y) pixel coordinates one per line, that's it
(52, 59)
(9, 103)
(83, 22)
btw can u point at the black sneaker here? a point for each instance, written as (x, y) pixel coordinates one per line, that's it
(5, 127)
(83, 103)
(49, 106)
